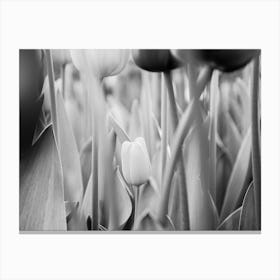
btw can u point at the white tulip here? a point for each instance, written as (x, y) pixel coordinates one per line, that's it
(136, 165)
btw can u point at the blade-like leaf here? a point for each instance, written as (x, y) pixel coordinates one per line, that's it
(231, 222)
(122, 201)
(146, 113)
(240, 107)
(238, 176)
(149, 197)
(134, 125)
(70, 160)
(41, 187)
(147, 222)
(248, 220)
(121, 134)
(233, 138)
(74, 115)
(214, 95)
(40, 127)
(85, 159)
(76, 220)
(176, 209)
(156, 166)
(223, 171)
(196, 155)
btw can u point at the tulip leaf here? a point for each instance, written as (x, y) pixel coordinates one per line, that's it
(41, 187)
(223, 172)
(231, 222)
(239, 107)
(196, 155)
(75, 119)
(233, 138)
(183, 128)
(69, 207)
(85, 159)
(248, 220)
(147, 222)
(121, 134)
(157, 129)
(238, 176)
(146, 113)
(40, 127)
(135, 125)
(70, 160)
(176, 209)
(214, 95)
(149, 197)
(122, 201)
(156, 167)
(76, 221)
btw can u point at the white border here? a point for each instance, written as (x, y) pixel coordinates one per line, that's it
(197, 24)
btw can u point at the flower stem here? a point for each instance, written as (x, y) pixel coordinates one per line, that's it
(52, 95)
(203, 78)
(92, 89)
(214, 95)
(182, 130)
(163, 127)
(62, 72)
(136, 198)
(256, 150)
(183, 185)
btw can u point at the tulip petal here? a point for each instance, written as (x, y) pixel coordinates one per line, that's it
(140, 166)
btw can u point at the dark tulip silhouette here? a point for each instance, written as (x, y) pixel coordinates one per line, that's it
(155, 60)
(224, 60)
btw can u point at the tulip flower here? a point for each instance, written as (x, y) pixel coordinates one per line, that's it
(95, 65)
(163, 61)
(155, 60)
(225, 60)
(103, 63)
(136, 165)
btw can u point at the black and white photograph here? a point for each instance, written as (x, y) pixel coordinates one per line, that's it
(140, 140)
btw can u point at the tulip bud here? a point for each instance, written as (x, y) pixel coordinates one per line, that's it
(136, 165)
(103, 63)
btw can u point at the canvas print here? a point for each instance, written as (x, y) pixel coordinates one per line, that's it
(139, 140)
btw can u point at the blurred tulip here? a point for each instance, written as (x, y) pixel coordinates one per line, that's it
(60, 59)
(225, 60)
(103, 63)
(155, 60)
(136, 165)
